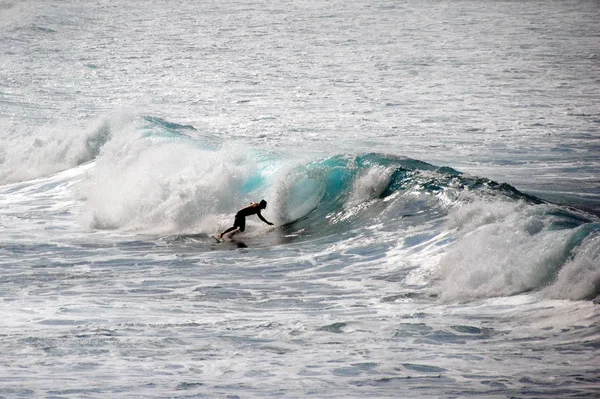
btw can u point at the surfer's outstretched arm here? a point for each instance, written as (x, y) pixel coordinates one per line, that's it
(239, 223)
(263, 219)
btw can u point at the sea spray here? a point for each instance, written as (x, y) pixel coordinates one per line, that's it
(53, 148)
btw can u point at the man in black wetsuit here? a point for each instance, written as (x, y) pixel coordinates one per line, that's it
(240, 218)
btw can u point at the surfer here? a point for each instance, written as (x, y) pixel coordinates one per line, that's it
(239, 223)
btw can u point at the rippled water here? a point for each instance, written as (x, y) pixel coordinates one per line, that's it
(431, 168)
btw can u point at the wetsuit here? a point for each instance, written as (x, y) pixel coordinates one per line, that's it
(240, 217)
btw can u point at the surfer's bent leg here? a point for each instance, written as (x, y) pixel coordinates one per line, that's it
(239, 224)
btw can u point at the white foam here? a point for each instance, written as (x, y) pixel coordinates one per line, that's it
(147, 184)
(504, 248)
(369, 185)
(55, 147)
(580, 277)
(295, 192)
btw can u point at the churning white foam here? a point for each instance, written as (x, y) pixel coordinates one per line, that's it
(580, 276)
(295, 192)
(504, 248)
(26, 155)
(369, 184)
(146, 183)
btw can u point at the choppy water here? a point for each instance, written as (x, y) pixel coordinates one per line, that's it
(431, 168)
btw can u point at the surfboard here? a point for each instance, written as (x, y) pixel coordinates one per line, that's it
(228, 239)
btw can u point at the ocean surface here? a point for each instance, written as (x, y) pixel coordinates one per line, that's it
(432, 169)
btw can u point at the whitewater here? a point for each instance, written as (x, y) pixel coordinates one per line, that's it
(432, 170)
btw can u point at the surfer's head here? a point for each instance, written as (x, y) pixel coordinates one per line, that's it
(262, 204)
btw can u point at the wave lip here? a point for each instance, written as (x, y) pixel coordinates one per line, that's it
(325, 189)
